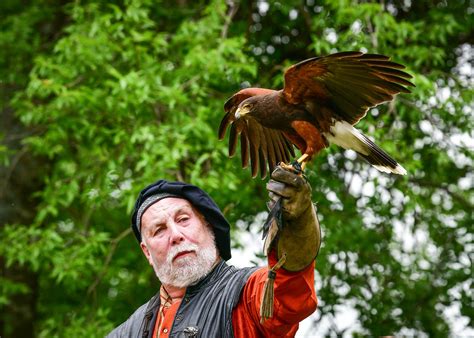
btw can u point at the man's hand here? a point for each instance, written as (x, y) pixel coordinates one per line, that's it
(300, 236)
(293, 188)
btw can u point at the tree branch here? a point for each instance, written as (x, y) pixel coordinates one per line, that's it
(373, 32)
(108, 259)
(233, 8)
(12, 168)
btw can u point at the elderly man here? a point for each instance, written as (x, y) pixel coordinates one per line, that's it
(186, 240)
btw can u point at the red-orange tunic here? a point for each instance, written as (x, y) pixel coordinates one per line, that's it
(295, 299)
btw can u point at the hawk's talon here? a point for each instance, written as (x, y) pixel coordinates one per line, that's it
(295, 167)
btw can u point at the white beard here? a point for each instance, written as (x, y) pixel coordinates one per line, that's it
(189, 269)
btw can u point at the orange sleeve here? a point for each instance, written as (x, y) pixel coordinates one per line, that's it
(295, 299)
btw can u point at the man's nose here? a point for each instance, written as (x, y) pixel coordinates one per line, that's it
(176, 236)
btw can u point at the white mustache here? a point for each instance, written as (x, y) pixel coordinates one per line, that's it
(178, 249)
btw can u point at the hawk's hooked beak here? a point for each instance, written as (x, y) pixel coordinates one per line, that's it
(241, 112)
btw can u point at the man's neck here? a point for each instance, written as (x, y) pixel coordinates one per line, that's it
(174, 292)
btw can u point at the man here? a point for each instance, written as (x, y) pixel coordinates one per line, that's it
(186, 240)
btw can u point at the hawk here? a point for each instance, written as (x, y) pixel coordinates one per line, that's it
(322, 99)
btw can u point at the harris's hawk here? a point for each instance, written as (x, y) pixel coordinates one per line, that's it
(323, 98)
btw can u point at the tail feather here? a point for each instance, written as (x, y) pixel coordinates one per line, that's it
(345, 135)
(380, 159)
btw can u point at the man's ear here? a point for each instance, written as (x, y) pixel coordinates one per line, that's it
(146, 252)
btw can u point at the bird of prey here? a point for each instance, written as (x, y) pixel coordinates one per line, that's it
(322, 99)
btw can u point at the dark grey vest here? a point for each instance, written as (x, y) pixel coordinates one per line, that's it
(205, 311)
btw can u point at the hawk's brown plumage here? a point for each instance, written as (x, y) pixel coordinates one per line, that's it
(321, 101)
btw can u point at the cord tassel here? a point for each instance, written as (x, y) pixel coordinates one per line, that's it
(266, 306)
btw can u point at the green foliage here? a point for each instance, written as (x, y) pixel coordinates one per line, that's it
(65, 254)
(114, 95)
(9, 288)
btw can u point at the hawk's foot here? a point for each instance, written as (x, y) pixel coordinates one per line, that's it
(295, 167)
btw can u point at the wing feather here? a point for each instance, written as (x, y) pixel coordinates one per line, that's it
(253, 159)
(349, 82)
(396, 81)
(263, 163)
(226, 121)
(262, 150)
(271, 157)
(244, 150)
(279, 144)
(232, 140)
(254, 142)
(289, 149)
(374, 57)
(286, 148)
(391, 71)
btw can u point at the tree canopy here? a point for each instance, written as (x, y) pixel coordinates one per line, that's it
(100, 99)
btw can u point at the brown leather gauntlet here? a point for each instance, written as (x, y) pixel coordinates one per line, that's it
(300, 237)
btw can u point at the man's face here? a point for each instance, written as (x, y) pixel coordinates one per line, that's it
(177, 242)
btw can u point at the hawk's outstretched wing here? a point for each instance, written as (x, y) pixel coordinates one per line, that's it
(349, 82)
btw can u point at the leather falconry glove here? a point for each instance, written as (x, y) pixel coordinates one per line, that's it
(300, 236)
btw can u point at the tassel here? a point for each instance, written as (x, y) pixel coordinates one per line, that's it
(266, 306)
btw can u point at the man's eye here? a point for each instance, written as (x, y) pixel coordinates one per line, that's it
(157, 231)
(183, 219)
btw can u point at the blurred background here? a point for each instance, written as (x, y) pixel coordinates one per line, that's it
(99, 99)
